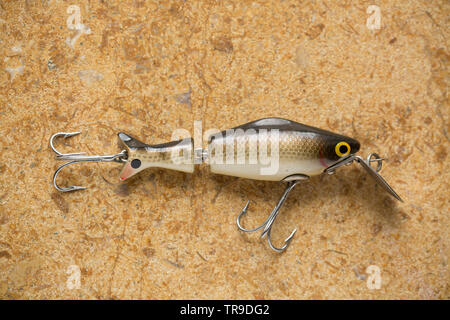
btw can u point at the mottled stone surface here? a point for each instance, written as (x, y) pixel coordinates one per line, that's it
(148, 68)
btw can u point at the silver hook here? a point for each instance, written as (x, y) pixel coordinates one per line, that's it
(268, 224)
(79, 157)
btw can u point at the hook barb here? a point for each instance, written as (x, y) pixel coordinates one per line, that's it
(268, 223)
(78, 157)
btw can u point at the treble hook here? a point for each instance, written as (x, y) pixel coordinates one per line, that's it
(268, 224)
(79, 157)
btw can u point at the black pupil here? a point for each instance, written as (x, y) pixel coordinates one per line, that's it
(343, 149)
(136, 163)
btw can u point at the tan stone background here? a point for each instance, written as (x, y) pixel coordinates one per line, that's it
(148, 68)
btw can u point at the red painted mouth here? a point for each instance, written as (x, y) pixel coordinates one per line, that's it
(127, 172)
(322, 160)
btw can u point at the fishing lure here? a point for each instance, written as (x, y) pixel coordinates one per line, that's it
(271, 149)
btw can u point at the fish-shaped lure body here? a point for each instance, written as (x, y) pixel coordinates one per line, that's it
(269, 149)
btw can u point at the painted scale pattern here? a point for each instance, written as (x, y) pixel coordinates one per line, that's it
(292, 145)
(298, 153)
(155, 156)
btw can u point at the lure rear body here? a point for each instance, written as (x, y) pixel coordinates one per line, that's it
(175, 155)
(268, 149)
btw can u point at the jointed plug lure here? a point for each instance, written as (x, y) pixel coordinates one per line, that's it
(271, 149)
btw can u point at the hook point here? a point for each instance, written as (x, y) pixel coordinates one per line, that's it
(71, 134)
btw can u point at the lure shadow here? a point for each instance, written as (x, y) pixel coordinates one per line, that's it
(153, 180)
(354, 185)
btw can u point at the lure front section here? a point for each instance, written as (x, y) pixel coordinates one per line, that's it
(271, 149)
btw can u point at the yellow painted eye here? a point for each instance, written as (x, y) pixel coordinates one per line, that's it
(342, 149)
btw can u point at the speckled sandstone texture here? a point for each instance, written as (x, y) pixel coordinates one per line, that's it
(148, 68)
